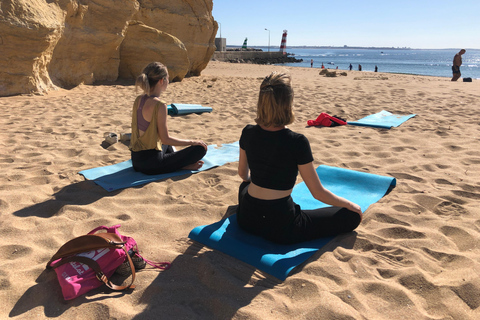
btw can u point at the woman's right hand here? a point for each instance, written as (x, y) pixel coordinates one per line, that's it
(199, 143)
(355, 208)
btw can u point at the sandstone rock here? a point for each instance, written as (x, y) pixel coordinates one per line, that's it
(331, 74)
(88, 49)
(29, 31)
(191, 21)
(328, 73)
(155, 46)
(44, 44)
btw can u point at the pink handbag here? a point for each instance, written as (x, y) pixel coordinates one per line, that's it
(87, 262)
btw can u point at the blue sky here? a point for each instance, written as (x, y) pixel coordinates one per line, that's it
(424, 24)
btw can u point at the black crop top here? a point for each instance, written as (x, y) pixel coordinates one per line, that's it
(273, 156)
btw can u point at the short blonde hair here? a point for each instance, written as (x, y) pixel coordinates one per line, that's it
(275, 101)
(152, 73)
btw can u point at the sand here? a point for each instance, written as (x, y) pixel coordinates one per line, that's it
(416, 255)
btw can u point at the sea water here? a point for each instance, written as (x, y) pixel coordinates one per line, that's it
(427, 62)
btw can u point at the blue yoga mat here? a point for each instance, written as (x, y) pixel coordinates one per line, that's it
(383, 119)
(122, 175)
(278, 260)
(178, 109)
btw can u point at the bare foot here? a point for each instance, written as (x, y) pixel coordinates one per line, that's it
(194, 166)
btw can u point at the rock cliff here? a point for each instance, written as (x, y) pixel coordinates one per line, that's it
(45, 44)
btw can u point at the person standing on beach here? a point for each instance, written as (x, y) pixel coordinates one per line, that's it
(271, 155)
(376, 69)
(311, 63)
(457, 62)
(150, 132)
(359, 67)
(350, 67)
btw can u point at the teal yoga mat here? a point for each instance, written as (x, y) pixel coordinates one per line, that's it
(179, 109)
(279, 260)
(382, 119)
(122, 175)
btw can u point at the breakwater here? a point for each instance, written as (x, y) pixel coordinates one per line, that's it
(257, 57)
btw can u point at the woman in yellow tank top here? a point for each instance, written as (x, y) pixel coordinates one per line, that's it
(150, 131)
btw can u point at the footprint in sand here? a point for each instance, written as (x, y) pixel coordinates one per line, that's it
(7, 160)
(383, 295)
(13, 251)
(450, 260)
(124, 217)
(443, 181)
(405, 176)
(469, 293)
(381, 217)
(401, 233)
(462, 239)
(213, 181)
(454, 148)
(447, 208)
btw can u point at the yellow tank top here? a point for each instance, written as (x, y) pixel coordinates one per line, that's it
(150, 139)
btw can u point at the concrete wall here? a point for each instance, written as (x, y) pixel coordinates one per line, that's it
(221, 44)
(231, 55)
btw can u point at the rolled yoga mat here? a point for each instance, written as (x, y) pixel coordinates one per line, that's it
(179, 109)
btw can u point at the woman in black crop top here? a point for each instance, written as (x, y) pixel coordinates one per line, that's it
(271, 155)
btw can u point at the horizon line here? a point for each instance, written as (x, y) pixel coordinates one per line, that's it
(350, 47)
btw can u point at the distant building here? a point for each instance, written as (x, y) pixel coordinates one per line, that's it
(221, 44)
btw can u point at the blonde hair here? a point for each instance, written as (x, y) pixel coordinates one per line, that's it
(275, 101)
(151, 74)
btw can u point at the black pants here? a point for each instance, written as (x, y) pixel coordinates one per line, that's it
(156, 162)
(283, 221)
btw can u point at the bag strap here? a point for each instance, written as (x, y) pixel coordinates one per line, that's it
(87, 243)
(158, 265)
(112, 229)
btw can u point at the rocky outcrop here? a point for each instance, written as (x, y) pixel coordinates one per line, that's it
(44, 44)
(27, 44)
(88, 50)
(156, 46)
(191, 21)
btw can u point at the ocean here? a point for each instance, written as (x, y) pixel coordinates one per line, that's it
(427, 62)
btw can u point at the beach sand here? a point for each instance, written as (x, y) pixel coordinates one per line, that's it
(416, 254)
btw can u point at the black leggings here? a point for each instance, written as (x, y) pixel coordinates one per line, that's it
(156, 162)
(283, 221)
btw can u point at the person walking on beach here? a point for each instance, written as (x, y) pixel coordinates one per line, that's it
(149, 129)
(350, 67)
(376, 69)
(457, 62)
(311, 63)
(359, 67)
(271, 155)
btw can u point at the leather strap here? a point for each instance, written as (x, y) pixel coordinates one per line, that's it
(87, 243)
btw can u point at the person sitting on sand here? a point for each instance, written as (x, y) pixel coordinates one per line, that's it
(150, 131)
(271, 155)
